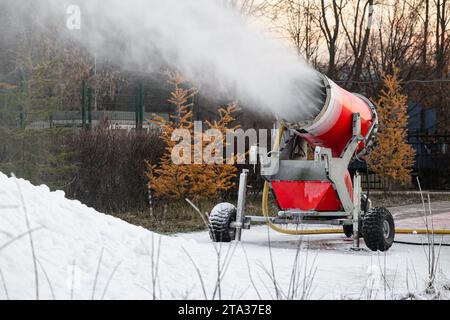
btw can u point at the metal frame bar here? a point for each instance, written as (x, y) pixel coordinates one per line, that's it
(240, 215)
(336, 167)
(296, 220)
(312, 214)
(356, 208)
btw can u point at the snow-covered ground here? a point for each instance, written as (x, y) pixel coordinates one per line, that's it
(83, 254)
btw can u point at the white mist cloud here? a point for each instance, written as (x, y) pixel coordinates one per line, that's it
(208, 42)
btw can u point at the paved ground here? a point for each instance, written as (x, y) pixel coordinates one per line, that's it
(341, 272)
(413, 216)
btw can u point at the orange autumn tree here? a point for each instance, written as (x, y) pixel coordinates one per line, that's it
(183, 178)
(392, 157)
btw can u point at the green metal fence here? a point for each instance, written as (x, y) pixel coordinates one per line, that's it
(135, 110)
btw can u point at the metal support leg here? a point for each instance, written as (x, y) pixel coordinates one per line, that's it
(356, 208)
(240, 216)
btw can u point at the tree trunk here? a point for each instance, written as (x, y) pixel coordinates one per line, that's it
(362, 53)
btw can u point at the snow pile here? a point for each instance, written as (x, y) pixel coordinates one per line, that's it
(69, 238)
(83, 254)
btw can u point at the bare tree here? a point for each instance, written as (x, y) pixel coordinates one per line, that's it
(248, 7)
(426, 24)
(358, 35)
(331, 31)
(397, 40)
(442, 41)
(297, 20)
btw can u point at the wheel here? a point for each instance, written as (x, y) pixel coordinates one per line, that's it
(219, 222)
(363, 203)
(348, 229)
(378, 229)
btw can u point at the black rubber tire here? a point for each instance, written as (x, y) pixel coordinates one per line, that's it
(375, 232)
(219, 222)
(348, 229)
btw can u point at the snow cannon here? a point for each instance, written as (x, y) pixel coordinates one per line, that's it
(332, 125)
(318, 188)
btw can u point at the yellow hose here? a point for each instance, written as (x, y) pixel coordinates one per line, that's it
(421, 231)
(340, 231)
(265, 210)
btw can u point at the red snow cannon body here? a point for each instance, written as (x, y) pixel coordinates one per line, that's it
(319, 189)
(309, 187)
(309, 195)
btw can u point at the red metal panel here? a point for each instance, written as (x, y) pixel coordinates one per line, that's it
(336, 133)
(309, 195)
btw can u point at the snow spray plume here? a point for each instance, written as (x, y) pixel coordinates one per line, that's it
(207, 42)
